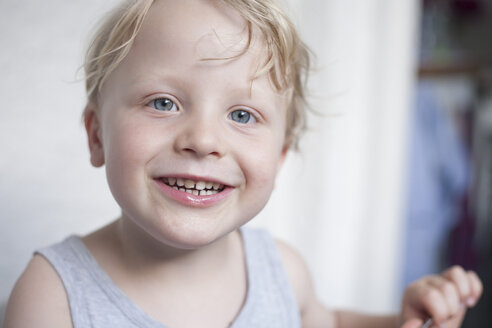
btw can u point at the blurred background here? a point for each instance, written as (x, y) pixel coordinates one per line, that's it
(393, 180)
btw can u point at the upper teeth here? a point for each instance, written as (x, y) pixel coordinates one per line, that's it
(203, 187)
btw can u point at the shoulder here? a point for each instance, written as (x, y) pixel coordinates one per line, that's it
(313, 312)
(297, 272)
(38, 298)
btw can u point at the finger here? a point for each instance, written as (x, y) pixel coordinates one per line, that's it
(434, 303)
(413, 323)
(450, 293)
(456, 320)
(476, 288)
(458, 276)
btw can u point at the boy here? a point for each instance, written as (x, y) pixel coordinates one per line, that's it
(192, 106)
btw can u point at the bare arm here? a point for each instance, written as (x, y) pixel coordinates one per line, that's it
(443, 297)
(351, 319)
(313, 313)
(38, 299)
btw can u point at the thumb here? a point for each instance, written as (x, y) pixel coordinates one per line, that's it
(413, 323)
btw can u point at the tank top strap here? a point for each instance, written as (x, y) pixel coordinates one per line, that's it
(270, 301)
(94, 299)
(62, 257)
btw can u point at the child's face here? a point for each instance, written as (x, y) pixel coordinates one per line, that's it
(166, 114)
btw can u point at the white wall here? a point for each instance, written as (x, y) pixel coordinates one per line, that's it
(338, 201)
(47, 187)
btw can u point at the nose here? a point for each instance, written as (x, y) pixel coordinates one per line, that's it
(200, 137)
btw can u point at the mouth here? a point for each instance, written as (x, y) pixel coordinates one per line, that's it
(197, 188)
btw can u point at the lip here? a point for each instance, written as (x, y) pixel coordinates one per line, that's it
(190, 199)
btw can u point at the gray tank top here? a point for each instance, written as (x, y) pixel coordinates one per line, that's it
(95, 300)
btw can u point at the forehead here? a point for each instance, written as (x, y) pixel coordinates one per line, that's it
(196, 33)
(192, 21)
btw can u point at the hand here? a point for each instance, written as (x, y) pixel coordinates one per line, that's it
(444, 298)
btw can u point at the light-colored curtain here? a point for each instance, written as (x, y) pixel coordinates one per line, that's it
(338, 200)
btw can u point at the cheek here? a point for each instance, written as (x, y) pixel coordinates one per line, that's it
(128, 147)
(125, 145)
(266, 158)
(261, 170)
(260, 180)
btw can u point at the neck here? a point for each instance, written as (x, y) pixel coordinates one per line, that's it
(143, 253)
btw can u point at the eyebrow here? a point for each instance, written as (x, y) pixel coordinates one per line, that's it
(141, 84)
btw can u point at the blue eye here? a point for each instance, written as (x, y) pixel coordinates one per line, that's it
(163, 104)
(242, 116)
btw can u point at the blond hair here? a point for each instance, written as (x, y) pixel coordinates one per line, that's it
(287, 62)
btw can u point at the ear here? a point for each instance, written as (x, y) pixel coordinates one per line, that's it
(93, 129)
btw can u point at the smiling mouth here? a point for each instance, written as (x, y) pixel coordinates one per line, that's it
(198, 188)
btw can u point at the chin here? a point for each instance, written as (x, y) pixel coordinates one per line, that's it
(189, 236)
